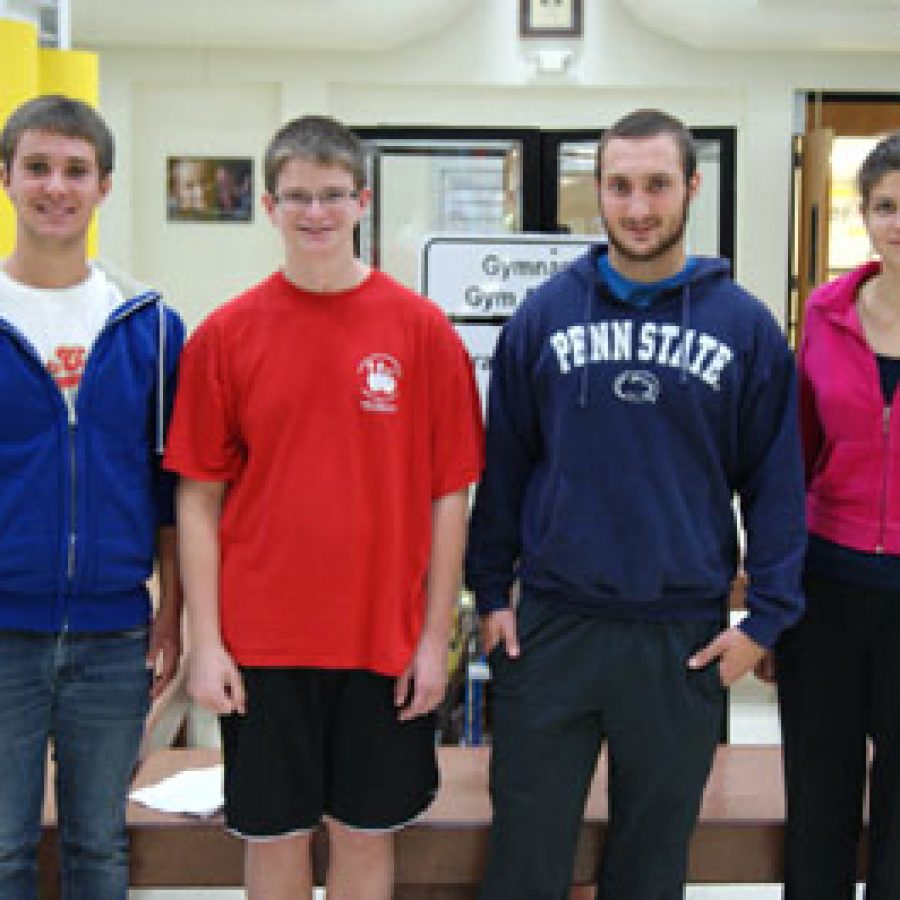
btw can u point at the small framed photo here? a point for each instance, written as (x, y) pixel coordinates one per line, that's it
(550, 18)
(209, 189)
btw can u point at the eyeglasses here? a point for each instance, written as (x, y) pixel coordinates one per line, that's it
(329, 198)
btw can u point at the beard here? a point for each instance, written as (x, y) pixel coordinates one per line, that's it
(666, 241)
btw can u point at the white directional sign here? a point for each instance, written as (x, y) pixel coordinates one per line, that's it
(479, 282)
(488, 277)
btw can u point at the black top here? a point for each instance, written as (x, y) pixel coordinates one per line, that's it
(889, 373)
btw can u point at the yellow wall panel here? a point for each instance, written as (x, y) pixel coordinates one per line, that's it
(19, 81)
(74, 73)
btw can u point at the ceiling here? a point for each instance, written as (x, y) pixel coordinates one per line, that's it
(754, 25)
(761, 25)
(320, 24)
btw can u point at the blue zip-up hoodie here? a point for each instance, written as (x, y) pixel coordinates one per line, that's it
(81, 501)
(617, 439)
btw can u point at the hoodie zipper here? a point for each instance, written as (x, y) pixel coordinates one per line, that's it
(840, 322)
(73, 483)
(133, 306)
(886, 445)
(137, 303)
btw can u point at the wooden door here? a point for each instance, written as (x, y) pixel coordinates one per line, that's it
(829, 117)
(815, 183)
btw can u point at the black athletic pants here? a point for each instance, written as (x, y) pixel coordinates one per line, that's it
(839, 683)
(579, 681)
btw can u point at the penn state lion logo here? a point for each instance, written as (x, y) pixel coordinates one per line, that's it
(637, 386)
(379, 382)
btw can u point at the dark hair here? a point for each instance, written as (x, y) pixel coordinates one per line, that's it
(648, 123)
(320, 139)
(882, 159)
(56, 114)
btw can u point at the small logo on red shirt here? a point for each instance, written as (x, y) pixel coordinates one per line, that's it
(67, 366)
(379, 382)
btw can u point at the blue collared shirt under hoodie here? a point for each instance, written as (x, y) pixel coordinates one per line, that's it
(82, 497)
(617, 439)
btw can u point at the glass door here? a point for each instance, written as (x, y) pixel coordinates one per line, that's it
(501, 181)
(437, 181)
(827, 235)
(569, 196)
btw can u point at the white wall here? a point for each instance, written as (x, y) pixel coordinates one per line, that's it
(199, 264)
(476, 72)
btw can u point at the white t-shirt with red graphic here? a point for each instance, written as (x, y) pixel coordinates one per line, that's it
(61, 324)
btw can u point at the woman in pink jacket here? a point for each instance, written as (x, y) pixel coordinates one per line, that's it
(839, 668)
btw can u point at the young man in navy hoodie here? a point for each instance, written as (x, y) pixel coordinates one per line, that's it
(87, 365)
(632, 397)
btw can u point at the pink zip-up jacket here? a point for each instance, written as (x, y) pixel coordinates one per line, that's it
(851, 440)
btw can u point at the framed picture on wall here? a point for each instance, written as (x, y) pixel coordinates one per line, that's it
(550, 18)
(209, 189)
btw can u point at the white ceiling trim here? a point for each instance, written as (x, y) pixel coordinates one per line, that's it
(761, 25)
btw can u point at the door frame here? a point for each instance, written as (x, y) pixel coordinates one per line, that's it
(842, 114)
(540, 149)
(853, 114)
(726, 138)
(528, 138)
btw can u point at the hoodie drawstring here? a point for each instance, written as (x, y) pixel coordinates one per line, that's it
(161, 378)
(685, 323)
(136, 291)
(583, 385)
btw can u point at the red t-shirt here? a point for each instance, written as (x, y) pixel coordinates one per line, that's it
(335, 420)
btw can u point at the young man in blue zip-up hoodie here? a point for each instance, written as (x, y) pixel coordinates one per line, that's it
(632, 397)
(86, 378)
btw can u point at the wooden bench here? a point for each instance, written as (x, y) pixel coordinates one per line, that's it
(442, 856)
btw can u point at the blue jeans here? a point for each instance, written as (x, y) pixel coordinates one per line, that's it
(88, 694)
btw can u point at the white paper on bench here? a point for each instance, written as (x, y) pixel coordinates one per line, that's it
(197, 792)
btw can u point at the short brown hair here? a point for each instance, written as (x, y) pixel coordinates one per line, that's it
(648, 123)
(57, 114)
(318, 138)
(882, 159)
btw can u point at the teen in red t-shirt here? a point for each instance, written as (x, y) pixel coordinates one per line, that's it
(327, 429)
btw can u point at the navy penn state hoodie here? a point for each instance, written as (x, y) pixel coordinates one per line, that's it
(617, 440)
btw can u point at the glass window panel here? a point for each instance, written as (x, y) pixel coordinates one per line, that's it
(577, 209)
(577, 206)
(848, 243)
(703, 222)
(437, 186)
